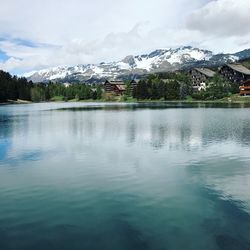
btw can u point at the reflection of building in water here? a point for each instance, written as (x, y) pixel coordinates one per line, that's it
(169, 129)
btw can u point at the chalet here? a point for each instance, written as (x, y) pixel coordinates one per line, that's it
(235, 73)
(118, 87)
(66, 84)
(199, 77)
(245, 88)
(133, 85)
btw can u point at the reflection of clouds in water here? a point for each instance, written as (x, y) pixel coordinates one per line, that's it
(146, 177)
(5, 145)
(226, 174)
(176, 130)
(204, 138)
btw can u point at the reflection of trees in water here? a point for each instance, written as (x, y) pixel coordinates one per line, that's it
(131, 131)
(187, 128)
(169, 129)
(245, 132)
(227, 125)
(6, 126)
(10, 127)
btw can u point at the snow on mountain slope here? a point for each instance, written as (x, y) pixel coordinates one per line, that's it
(156, 61)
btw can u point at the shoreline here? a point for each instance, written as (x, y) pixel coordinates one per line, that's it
(228, 100)
(18, 101)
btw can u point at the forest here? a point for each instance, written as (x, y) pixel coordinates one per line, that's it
(178, 86)
(14, 88)
(161, 86)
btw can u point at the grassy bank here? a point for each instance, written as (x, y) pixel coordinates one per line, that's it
(18, 101)
(237, 99)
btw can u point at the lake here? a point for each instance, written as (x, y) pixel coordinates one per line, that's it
(124, 176)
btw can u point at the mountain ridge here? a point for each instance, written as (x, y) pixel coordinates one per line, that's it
(159, 60)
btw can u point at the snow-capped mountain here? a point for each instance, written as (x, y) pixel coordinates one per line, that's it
(157, 61)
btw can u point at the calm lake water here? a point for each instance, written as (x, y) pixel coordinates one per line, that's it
(124, 176)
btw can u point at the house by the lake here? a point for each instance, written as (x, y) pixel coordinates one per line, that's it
(245, 88)
(118, 87)
(133, 85)
(199, 77)
(115, 87)
(235, 73)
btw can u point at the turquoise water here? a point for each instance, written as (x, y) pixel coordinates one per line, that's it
(124, 176)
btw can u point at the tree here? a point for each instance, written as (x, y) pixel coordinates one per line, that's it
(99, 92)
(172, 90)
(217, 88)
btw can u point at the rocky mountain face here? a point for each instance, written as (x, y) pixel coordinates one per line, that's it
(136, 66)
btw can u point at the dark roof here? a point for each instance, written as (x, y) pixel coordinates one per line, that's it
(134, 81)
(206, 72)
(115, 82)
(239, 68)
(121, 87)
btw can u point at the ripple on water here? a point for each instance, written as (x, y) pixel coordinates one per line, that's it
(124, 177)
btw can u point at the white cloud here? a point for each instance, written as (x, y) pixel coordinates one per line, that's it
(76, 32)
(222, 18)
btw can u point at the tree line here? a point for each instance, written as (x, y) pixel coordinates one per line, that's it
(161, 86)
(178, 86)
(58, 91)
(13, 88)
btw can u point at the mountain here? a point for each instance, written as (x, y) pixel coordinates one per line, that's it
(159, 60)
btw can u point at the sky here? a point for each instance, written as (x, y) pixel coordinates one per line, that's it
(46, 33)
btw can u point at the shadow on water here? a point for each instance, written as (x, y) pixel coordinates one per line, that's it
(226, 242)
(64, 237)
(231, 226)
(131, 237)
(153, 105)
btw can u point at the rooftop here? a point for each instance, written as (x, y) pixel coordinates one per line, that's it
(117, 82)
(239, 68)
(205, 71)
(121, 87)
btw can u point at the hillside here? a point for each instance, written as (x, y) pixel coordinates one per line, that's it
(246, 62)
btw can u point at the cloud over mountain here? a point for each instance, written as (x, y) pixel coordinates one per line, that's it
(43, 33)
(222, 18)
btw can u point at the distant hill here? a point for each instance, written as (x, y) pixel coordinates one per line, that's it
(161, 60)
(246, 62)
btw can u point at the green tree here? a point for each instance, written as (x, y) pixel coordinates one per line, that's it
(99, 92)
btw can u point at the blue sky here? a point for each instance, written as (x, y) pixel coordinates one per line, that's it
(3, 56)
(43, 33)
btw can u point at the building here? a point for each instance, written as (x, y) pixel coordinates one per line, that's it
(133, 85)
(199, 77)
(245, 88)
(235, 73)
(67, 84)
(118, 87)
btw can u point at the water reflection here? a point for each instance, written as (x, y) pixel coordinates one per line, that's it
(136, 176)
